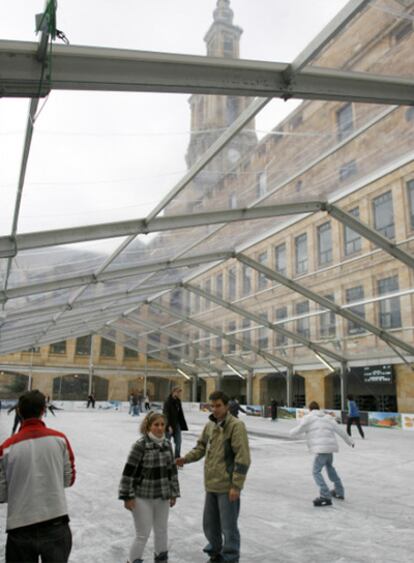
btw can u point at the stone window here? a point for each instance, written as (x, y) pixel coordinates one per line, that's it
(325, 243)
(344, 121)
(356, 294)
(384, 214)
(280, 259)
(352, 240)
(389, 310)
(301, 252)
(303, 325)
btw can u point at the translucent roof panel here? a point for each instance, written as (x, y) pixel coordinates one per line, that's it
(272, 30)
(59, 262)
(102, 157)
(386, 28)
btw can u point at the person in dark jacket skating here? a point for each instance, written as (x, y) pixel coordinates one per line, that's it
(273, 409)
(353, 416)
(176, 422)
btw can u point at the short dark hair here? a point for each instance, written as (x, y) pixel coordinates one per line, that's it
(313, 406)
(219, 396)
(31, 404)
(350, 397)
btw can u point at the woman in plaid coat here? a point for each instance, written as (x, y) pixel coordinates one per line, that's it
(149, 487)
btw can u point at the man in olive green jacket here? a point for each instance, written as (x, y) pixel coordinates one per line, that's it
(225, 445)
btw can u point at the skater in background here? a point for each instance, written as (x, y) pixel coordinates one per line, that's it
(273, 409)
(149, 487)
(35, 467)
(131, 405)
(235, 407)
(17, 419)
(135, 405)
(147, 403)
(320, 430)
(225, 445)
(353, 416)
(91, 401)
(176, 423)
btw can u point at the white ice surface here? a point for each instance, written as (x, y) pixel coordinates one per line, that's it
(278, 522)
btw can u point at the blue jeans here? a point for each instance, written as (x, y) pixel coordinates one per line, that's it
(176, 436)
(220, 526)
(321, 461)
(51, 542)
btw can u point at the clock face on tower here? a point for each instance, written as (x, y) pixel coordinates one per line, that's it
(233, 155)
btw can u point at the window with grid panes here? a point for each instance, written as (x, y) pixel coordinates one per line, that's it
(352, 240)
(263, 333)
(207, 289)
(58, 347)
(303, 325)
(355, 294)
(261, 184)
(280, 259)
(246, 279)
(246, 337)
(389, 309)
(301, 253)
(207, 345)
(83, 345)
(107, 348)
(327, 321)
(130, 353)
(219, 285)
(154, 342)
(410, 190)
(324, 244)
(384, 214)
(344, 121)
(173, 353)
(262, 281)
(232, 284)
(231, 327)
(280, 314)
(219, 342)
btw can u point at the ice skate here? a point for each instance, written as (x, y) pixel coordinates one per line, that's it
(335, 495)
(321, 501)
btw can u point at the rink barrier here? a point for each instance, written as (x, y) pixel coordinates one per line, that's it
(389, 420)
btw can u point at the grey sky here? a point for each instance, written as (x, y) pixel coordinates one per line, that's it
(109, 156)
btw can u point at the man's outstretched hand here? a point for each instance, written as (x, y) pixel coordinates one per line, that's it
(180, 461)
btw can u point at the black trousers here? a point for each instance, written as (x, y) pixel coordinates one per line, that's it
(357, 421)
(51, 542)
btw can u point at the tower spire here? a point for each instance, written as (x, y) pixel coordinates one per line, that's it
(223, 13)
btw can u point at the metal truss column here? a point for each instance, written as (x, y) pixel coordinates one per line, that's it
(249, 387)
(289, 387)
(90, 386)
(344, 384)
(194, 389)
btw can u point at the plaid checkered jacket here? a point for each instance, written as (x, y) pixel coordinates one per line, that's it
(150, 471)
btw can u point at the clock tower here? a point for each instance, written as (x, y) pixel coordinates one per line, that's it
(211, 114)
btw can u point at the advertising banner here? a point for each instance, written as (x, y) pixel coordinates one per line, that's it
(254, 410)
(286, 412)
(384, 419)
(407, 421)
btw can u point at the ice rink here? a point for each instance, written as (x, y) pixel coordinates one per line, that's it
(278, 522)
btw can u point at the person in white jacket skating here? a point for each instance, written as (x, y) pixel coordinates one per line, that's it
(320, 430)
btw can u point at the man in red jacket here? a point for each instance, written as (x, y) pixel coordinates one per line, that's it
(36, 464)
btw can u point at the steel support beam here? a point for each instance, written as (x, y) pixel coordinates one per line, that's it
(42, 239)
(110, 275)
(326, 303)
(105, 69)
(316, 348)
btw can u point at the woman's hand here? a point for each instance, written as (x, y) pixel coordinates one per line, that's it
(129, 504)
(173, 500)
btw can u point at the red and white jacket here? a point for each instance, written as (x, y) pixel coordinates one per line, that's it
(35, 466)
